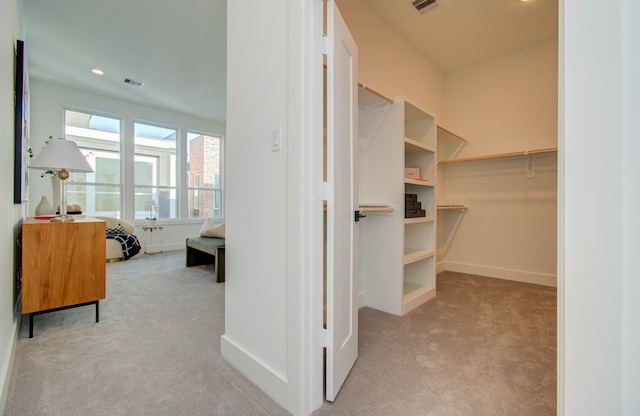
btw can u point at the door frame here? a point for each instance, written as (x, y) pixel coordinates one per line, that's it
(305, 260)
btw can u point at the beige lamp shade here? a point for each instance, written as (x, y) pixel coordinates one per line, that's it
(61, 154)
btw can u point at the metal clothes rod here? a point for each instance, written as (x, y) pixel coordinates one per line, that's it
(372, 91)
(500, 156)
(453, 134)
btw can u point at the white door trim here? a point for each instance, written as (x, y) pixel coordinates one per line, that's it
(305, 230)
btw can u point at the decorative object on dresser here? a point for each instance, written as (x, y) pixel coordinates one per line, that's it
(44, 207)
(61, 156)
(63, 265)
(55, 182)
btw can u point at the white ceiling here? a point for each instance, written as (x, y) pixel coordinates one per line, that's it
(178, 48)
(460, 33)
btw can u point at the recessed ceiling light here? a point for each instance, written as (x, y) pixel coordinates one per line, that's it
(97, 71)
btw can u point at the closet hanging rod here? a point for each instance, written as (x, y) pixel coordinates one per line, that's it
(453, 134)
(452, 207)
(500, 156)
(372, 91)
(377, 209)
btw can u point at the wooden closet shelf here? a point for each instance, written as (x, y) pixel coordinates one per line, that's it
(500, 156)
(374, 92)
(452, 133)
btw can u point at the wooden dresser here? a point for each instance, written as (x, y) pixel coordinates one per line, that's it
(63, 265)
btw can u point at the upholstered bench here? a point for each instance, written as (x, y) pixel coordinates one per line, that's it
(206, 250)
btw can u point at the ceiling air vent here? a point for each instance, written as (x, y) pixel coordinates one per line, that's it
(133, 82)
(424, 6)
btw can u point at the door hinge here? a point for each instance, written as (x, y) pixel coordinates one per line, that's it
(325, 191)
(325, 44)
(324, 338)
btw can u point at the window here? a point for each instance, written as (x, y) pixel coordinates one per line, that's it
(196, 193)
(204, 167)
(151, 165)
(155, 169)
(98, 137)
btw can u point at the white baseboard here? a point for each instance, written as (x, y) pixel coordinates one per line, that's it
(272, 383)
(156, 248)
(171, 247)
(506, 274)
(440, 267)
(7, 364)
(362, 299)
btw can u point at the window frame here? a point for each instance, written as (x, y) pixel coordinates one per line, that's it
(127, 155)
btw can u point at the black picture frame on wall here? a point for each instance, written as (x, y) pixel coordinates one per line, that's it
(21, 128)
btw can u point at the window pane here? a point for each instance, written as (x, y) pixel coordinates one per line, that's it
(155, 170)
(204, 163)
(95, 200)
(97, 192)
(209, 200)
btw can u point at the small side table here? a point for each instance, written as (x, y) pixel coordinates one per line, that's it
(148, 235)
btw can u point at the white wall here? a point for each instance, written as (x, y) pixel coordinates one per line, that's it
(255, 339)
(510, 229)
(599, 232)
(388, 64)
(504, 105)
(630, 200)
(11, 28)
(48, 102)
(273, 289)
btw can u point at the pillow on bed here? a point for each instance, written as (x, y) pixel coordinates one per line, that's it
(115, 229)
(211, 229)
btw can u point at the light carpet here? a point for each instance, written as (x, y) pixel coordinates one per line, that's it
(155, 351)
(481, 347)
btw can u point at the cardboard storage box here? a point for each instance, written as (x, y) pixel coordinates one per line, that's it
(412, 173)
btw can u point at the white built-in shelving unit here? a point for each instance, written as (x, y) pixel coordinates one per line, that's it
(419, 277)
(397, 253)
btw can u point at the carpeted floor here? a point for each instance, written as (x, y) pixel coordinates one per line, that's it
(482, 347)
(155, 351)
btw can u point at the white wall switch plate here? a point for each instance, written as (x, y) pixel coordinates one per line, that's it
(276, 139)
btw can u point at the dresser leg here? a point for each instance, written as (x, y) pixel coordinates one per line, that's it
(30, 325)
(97, 311)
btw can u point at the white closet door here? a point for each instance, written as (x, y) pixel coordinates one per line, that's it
(342, 244)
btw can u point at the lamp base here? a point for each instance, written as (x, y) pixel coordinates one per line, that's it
(63, 218)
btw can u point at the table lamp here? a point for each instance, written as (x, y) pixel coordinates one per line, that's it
(61, 156)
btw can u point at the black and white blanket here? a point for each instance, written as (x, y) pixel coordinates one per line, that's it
(129, 242)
